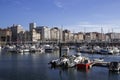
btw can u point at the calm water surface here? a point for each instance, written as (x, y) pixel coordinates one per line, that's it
(35, 67)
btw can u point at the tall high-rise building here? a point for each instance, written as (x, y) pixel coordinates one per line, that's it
(32, 26)
(34, 34)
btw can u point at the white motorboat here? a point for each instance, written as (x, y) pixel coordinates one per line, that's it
(98, 60)
(48, 48)
(65, 49)
(67, 61)
(115, 50)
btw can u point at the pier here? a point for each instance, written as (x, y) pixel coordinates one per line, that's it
(71, 43)
(100, 64)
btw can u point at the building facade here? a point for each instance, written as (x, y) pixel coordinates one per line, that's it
(34, 33)
(17, 33)
(44, 31)
(55, 34)
(5, 35)
(78, 36)
(67, 36)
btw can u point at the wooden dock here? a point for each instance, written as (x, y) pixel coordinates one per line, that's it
(100, 64)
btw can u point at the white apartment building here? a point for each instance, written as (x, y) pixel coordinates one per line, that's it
(67, 36)
(55, 34)
(78, 36)
(35, 36)
(44, 31)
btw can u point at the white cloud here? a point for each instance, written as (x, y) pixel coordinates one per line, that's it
(58, 4)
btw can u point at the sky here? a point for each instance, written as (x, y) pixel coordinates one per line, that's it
(74, 15)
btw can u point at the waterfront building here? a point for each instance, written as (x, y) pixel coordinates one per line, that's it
(101, 37)
(55, 34)
(34, 33)
(75, 37)
(32, 26)
(5, 35)
(116, 35)
(95, 36)
(17, 33)
(67, 35)
(44, 31)
(113, 36)
(27, 36)
(61, 35)
(78, 36)
(71, 37)
(35, 36)
(88, 36)
(107, 38)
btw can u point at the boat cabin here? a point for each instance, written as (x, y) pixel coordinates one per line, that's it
(114, 66)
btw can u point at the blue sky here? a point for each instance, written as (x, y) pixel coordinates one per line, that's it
(76, 15)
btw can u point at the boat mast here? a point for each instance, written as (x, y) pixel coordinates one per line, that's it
(101, 33)
(60, 39)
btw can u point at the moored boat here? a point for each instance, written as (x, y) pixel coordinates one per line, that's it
(66, 61)
(114, 66)
(116, 50)
(98, 60)
(65, 49)
(48, 48)
(84, 65)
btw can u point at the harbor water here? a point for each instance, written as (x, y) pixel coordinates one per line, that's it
(34, 66)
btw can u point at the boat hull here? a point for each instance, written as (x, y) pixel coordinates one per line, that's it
(83, 66)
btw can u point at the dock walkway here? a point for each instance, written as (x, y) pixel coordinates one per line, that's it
(100, 63)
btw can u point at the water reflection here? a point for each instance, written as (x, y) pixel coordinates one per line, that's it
(34, 66)
(114, 76)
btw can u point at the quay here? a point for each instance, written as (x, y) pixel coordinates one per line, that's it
(100, 64)
(71, 43)
(101, 43)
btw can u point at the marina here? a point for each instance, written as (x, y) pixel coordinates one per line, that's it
(60, 40)
(32, 66)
